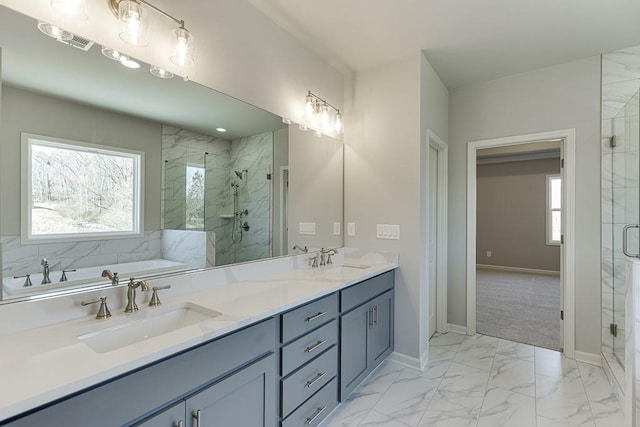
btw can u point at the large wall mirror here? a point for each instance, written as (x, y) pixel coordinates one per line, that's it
(218, 181)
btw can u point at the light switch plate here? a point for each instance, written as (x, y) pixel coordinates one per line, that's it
(336, 229)
(388, 231)
(308, 228)
(351, 229)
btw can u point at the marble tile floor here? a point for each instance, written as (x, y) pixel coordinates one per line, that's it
(485, 382)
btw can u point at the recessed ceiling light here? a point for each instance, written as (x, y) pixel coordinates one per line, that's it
(54, 31)
(221, 129)
(128, 62)
(160, 72)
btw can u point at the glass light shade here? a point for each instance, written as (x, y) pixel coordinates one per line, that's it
(338, 124)
(183, 50)
(160, 72)
(128, 62)
(133, 23)
(110, 53)
(54, 31)
(72, 8)
(324, 114)
(309, 105)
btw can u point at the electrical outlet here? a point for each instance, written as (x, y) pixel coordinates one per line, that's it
(336, 229)
(351, 229)
(488, 254)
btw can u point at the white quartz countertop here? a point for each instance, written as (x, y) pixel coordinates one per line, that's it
(46, 363)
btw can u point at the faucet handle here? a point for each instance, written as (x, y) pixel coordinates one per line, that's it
(313, 261)
(44, 261)
(103, 311)
(27, 281)
(63, 278)
(155, 301)
(329, 261)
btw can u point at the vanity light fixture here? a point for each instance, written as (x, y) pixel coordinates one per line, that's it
(318, 113)
(134, 24)
(54, 31)
(160, 72)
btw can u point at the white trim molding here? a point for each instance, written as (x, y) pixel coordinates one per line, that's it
(457, 329)
(568, 138)
(590, 358)
(408, 361)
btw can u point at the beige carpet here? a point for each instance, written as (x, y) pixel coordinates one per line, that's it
(520, 307)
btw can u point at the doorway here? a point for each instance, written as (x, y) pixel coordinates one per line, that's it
(566, 139)
(437, 158)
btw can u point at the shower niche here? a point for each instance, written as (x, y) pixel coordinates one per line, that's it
(223, 187)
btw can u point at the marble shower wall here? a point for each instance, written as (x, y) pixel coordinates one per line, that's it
(620, 186)
(255, 155)
(181, 147)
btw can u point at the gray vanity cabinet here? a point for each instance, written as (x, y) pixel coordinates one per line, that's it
(366, 331)
(172, 417)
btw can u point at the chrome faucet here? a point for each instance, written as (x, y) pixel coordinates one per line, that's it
(327, 260)
(112, 276)
(131, 294)
(45, 271)
(303, 250)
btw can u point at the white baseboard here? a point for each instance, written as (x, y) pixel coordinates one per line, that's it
(408, 361)
(518, 269)
(457, 329)
(590, 358)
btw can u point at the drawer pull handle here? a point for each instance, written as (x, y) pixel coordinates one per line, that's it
(315, 316)
(315, 346)
(375, 315)
(196, 417)
(315, 415)
(315, 379)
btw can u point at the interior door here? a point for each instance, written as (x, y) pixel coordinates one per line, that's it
(433, 246)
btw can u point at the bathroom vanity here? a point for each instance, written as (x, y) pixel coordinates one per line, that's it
(283, 350)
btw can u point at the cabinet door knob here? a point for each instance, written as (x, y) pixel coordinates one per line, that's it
(196, 417)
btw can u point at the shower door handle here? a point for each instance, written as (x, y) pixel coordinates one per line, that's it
(625, 232)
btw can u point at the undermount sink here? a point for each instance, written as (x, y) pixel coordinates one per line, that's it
(339, 269)
(145, 324)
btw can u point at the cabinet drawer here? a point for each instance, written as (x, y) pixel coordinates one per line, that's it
(316, 409)
(308, 380)
(364, 291)
(308, 317)
(308, 347)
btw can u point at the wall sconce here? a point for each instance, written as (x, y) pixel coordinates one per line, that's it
(318, 113)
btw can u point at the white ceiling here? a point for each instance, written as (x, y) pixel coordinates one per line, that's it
(466, 41)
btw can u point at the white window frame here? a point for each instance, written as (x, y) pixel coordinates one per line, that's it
(549, 211)
(26, 236)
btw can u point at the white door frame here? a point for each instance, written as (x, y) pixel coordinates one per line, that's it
(433, 140)
(568, 137)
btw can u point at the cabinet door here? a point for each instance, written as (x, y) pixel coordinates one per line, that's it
(246, 398)
(354, 355)
(172, 417)
(381, 335)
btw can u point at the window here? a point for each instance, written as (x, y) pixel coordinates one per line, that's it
(79, 191)
(554, 209)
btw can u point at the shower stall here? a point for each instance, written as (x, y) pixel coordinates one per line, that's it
(620, 197)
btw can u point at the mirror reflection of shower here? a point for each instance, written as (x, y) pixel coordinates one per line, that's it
(239, 226)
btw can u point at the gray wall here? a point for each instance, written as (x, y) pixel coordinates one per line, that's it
(25, 111)
(559, 97)
(512, 214)
(388, 112)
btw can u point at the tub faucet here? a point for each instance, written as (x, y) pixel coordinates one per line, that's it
(45, 271)
(131, 294)
(303, 250)
(112, 276)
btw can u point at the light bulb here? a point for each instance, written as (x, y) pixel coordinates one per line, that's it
(309, 105)
(54, 31)
(324, 114)
(71, 8)
(183, 50)
(338, 124)
(133, 23)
